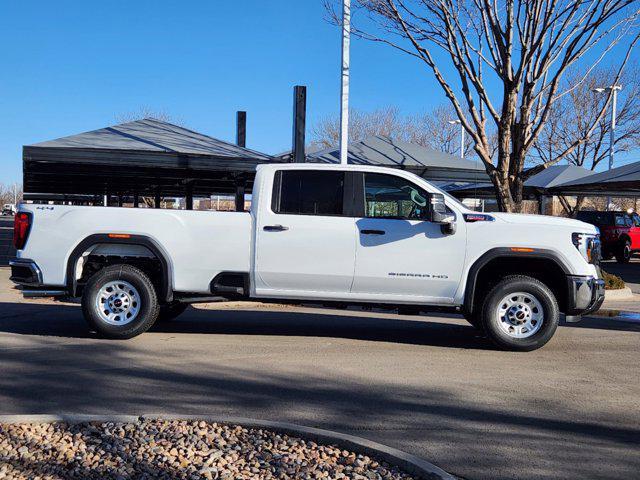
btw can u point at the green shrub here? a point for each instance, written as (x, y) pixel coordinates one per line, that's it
(612, 282)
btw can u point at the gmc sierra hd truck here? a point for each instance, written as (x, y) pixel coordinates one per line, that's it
(316, 234)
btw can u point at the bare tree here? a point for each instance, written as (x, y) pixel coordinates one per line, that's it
(386, 122)
(434, 129)
(572, 117)
(508, 60)
(431, 129)
(148, 112)
(9, 193)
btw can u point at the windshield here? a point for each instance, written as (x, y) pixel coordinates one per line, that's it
(452, 199)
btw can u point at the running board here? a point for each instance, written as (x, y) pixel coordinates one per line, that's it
(200, 299)
(43, 293)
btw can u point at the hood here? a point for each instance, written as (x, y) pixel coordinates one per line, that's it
(546, 220)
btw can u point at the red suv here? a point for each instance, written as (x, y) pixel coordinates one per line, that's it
(619, 233)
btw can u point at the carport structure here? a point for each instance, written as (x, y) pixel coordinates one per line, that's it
(535, 187)
(141, 158)
(619, 182)
(433, 165)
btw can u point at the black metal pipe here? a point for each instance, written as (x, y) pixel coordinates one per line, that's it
(299, 119)
(241, 129)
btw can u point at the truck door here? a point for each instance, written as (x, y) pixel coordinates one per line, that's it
(400, 255)
(305, 244)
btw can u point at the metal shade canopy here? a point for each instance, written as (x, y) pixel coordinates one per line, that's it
(424, 161)
(620, 182)
(143, 157)
(540, 184)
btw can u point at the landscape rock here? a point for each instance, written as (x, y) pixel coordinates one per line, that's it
(174, 449)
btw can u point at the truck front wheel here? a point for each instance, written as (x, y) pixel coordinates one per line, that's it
(520, 313)
(120, 302)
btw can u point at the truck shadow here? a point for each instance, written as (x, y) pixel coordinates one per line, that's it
(65, 320)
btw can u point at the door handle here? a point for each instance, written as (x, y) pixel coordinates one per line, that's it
(275, 228)
(372, 232)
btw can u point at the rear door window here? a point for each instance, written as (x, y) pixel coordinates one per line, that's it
(308, 192)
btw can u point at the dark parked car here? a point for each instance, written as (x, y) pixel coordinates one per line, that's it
(619, 233)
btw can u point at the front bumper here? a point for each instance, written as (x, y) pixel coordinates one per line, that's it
(585, 294)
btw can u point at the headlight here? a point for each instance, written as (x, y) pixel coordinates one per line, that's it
(588, 245)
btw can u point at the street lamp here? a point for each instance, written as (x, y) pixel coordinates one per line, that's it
(613, 91)
(455, 122)
(344, 81)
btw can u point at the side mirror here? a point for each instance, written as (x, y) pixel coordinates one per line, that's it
(438, 214)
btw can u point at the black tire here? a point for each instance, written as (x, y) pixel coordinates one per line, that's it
(170, 311)
(623, 255)
(148, 307)
(533, 287)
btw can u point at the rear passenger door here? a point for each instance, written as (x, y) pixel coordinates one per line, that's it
(305, 240)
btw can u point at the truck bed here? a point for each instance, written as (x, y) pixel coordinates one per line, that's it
(199, 244)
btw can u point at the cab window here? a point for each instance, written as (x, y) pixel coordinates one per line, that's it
(388, 196)
(308, 192)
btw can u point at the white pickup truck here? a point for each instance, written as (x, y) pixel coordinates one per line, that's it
(316, 234)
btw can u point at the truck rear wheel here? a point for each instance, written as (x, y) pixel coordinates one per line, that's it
(520, 313)
(120, 302)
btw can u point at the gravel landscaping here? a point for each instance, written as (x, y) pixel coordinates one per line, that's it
(162, 449)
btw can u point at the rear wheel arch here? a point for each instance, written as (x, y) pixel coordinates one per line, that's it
(165, 285)
(495, 264)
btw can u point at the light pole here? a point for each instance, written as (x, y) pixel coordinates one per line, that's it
(613, 89)
(344, 85)
(455, 122)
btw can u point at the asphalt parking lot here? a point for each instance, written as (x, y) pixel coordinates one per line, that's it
(428, 385)
(629, 272)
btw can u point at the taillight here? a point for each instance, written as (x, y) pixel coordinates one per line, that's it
(21, 226)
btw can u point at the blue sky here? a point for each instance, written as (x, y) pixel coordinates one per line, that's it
(71, 66)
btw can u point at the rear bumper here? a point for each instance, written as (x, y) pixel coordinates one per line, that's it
(585, 294)
(28, 276)
(25, 272)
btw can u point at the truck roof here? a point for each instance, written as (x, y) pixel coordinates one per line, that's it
(324, 166)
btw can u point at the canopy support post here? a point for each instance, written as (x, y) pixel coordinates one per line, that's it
(189, 196)
(240, 185)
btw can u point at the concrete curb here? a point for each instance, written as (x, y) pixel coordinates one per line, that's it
(619, 294)
(409, 463)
